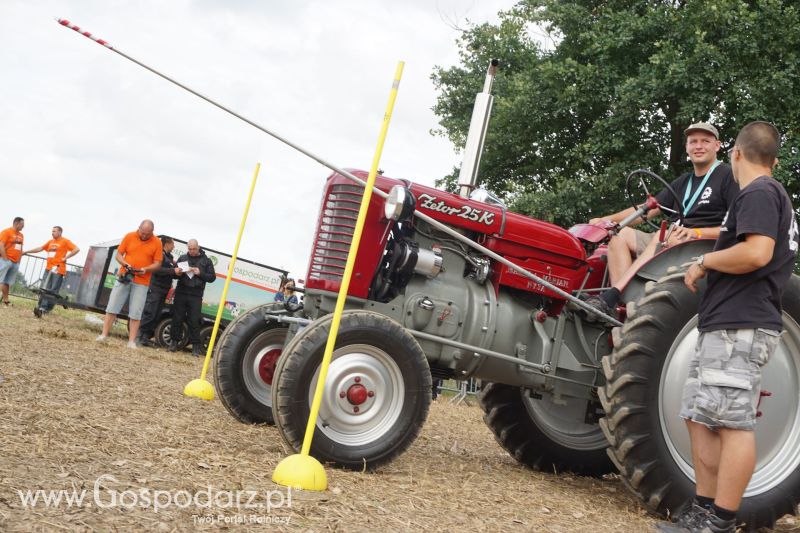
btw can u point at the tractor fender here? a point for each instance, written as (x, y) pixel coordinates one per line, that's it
(657, 266)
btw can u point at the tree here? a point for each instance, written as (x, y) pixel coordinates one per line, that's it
(589, 90)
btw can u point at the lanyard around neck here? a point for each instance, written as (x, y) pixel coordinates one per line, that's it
(688, 206)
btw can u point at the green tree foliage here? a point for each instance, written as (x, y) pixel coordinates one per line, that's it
(589, 90)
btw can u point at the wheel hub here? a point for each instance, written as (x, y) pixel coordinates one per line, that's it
(258, 365)
(266, 364)
(357, 394)
(363, 396)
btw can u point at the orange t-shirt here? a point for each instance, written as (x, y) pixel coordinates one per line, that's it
(57, 250)
(12, 240)
(139, 254)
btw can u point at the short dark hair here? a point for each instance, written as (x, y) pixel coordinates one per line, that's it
(759, 142)
(18, 219)
(59, 228)
(165, 239)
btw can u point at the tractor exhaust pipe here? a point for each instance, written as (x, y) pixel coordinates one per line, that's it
(468, 177)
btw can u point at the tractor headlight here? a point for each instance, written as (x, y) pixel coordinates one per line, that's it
(399, 204)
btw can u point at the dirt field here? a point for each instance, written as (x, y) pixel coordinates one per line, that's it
(113, 423)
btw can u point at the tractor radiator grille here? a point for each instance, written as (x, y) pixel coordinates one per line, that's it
(337, 223)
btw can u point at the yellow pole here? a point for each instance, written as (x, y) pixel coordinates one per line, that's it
(200, 388)
(303, 470)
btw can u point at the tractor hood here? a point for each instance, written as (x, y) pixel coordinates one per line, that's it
(507, 233)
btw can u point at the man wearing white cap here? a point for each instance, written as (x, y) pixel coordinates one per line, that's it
(705, 195)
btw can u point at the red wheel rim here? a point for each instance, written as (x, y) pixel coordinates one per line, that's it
(266, 366)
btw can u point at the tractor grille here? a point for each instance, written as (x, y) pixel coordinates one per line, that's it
(337, 223)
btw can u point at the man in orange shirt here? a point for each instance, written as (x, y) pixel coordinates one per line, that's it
(10, 254)
(138, 254)
(58, 249)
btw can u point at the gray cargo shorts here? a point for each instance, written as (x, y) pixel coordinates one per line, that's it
(642, 240)
(724, 382)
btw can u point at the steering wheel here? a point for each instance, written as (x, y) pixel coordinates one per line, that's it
(642, 173)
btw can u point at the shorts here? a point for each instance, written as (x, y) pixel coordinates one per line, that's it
(121, 292)
(8, 271)
(724, 382)
(642, 240)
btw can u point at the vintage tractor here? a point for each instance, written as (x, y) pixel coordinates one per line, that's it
(440, 291)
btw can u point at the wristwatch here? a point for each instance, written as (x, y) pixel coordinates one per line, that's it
(700, 260)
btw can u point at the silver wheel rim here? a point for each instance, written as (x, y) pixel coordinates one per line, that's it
(564, 424)
(167, 334)
(262, 345)
(371, 368)
(777, 430)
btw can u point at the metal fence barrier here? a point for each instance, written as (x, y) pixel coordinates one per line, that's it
(461, 389)
(32, 271)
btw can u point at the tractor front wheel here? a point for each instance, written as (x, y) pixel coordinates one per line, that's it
(244, 364)
(377, 393)
(645, 377)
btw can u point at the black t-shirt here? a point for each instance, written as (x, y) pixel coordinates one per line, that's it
(753, 300)
(712, 203)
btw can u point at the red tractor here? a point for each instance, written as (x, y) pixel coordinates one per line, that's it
(446, 286)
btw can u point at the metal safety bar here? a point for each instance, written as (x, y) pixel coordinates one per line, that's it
(540, 369)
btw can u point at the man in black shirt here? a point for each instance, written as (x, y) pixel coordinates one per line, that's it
(705, 195)
(195, 270)
(160, 284)
(740, 326)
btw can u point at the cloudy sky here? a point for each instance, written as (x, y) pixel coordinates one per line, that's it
(94, 143)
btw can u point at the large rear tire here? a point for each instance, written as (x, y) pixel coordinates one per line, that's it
(645, 375)
(520, 428)
(377, 395)
(244, 364)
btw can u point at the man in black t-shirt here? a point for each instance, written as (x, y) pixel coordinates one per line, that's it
(705, 194)
(740, 326)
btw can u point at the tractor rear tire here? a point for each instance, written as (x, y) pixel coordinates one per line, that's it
(649, 443)
(377, 394)
(244, 364)
(514, 428)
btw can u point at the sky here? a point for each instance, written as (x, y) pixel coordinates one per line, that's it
(94, 143)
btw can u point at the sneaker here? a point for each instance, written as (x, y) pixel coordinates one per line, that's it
(714, 524)
(37, 312)
(198, 351)
(173, 347)
(7, 303)
(132, 345)
(144, 342)
(599, 304)
(101, 338)
(691, 516)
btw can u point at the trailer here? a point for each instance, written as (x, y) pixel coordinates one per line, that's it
(252, 284)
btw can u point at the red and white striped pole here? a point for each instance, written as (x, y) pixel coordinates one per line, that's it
(68, 24)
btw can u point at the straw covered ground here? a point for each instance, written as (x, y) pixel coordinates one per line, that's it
(112, 425)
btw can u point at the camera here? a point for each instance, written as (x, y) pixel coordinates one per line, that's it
(127, 277)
